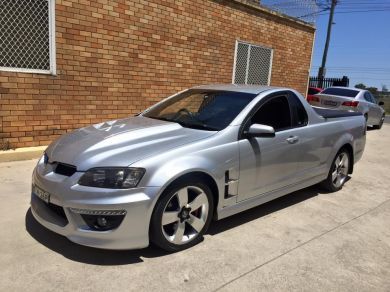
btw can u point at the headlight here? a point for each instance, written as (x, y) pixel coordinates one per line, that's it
(112, 177)
(44, 159)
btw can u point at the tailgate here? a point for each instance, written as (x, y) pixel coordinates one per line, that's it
(333, 114)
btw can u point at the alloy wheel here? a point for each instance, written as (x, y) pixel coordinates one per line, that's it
(185, 215)
(340, 169)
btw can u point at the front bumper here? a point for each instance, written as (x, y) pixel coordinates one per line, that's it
(66, 194)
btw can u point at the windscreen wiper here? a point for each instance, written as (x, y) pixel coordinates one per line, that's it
(188, 125)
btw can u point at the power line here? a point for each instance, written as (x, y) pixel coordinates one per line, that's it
(383, 72)
(359, 68)
(380, 79)
(363, 3)
(359, 11)
(314, 13)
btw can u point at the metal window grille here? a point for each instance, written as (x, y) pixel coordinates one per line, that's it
(27, 41)
(252, 64)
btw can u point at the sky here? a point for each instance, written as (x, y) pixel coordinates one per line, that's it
(359, 45)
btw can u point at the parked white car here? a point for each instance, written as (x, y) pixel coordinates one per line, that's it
(351, 99)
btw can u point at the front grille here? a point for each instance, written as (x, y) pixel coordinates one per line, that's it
(65, 169)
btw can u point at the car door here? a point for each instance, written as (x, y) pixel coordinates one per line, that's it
(270, 163)
(371, 114)
(312, 148)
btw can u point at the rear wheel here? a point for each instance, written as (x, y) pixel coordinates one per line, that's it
(379, 126)
(182, 215)
(338, 172)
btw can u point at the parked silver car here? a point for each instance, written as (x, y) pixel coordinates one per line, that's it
(351, 99)
(207, 152)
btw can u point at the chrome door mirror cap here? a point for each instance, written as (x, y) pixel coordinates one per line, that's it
(258, 130)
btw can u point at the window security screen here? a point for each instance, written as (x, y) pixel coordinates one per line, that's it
(25, 35)
(252, 64)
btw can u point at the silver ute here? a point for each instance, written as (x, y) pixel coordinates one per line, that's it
(205, 153)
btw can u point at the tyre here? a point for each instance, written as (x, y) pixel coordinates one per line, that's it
(380, 123)
(182, 215)
(366, 117)
(338, 172)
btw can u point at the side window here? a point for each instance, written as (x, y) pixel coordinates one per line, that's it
(275, 113)
(298, 112)
(367, 96)
(373, 100)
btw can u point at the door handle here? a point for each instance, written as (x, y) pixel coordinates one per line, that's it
(292, 139)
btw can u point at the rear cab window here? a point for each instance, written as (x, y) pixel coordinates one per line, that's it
(341, 92)
(298, 112)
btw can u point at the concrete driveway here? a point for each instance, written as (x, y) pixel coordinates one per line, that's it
(306, 241)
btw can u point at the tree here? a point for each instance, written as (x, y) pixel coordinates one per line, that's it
(360, 86)
(373, 90)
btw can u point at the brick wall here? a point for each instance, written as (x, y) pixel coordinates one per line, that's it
(115, 58)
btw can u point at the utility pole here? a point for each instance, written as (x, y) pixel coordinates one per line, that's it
(322, 69)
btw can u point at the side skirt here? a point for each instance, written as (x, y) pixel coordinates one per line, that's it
(261, 199)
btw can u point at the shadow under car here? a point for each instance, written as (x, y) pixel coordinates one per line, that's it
(95, 256)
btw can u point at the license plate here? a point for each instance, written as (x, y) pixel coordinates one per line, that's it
(329, 102)
(43, 195)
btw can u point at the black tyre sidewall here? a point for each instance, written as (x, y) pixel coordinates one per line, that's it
(156, 235)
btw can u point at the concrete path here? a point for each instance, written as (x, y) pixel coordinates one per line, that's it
(306, 241)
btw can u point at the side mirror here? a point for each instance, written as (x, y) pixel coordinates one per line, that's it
(258, 130)
(381, 103)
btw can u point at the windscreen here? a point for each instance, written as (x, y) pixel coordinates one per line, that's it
(202, 109)
(341, 92)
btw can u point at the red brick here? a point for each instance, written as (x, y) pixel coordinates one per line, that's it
(115, 59)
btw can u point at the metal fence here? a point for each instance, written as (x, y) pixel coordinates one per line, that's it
(328, 82)
(305, 10)
(25, 35)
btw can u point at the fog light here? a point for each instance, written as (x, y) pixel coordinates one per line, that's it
(102, 221)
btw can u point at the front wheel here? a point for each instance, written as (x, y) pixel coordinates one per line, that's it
(182, 215)
(338, 172)
(379, 126)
